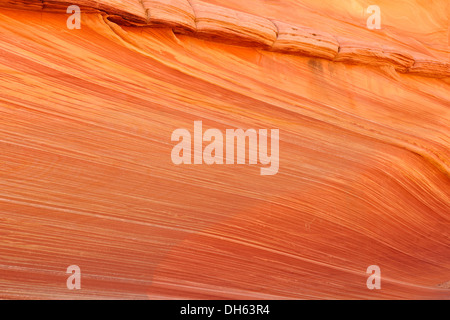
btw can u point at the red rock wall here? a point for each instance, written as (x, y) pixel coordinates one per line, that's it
(87, 179)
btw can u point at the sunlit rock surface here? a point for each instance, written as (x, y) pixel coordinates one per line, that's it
(85, 137)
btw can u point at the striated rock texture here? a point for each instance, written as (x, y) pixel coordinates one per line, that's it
(226, 25)
(85, 136)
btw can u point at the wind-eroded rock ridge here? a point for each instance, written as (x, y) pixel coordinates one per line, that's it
(216, 23)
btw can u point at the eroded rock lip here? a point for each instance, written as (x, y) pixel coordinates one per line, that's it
(430, 67)
(305, 41)
(177, 14)
(227, 25)
(217, 23)
(355, 52)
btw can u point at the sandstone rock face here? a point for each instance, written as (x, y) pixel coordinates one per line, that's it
(87, 177)
(171, 13)
(218, 23)
(305, 41)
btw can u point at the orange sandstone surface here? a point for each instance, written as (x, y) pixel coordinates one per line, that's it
(87, 179)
